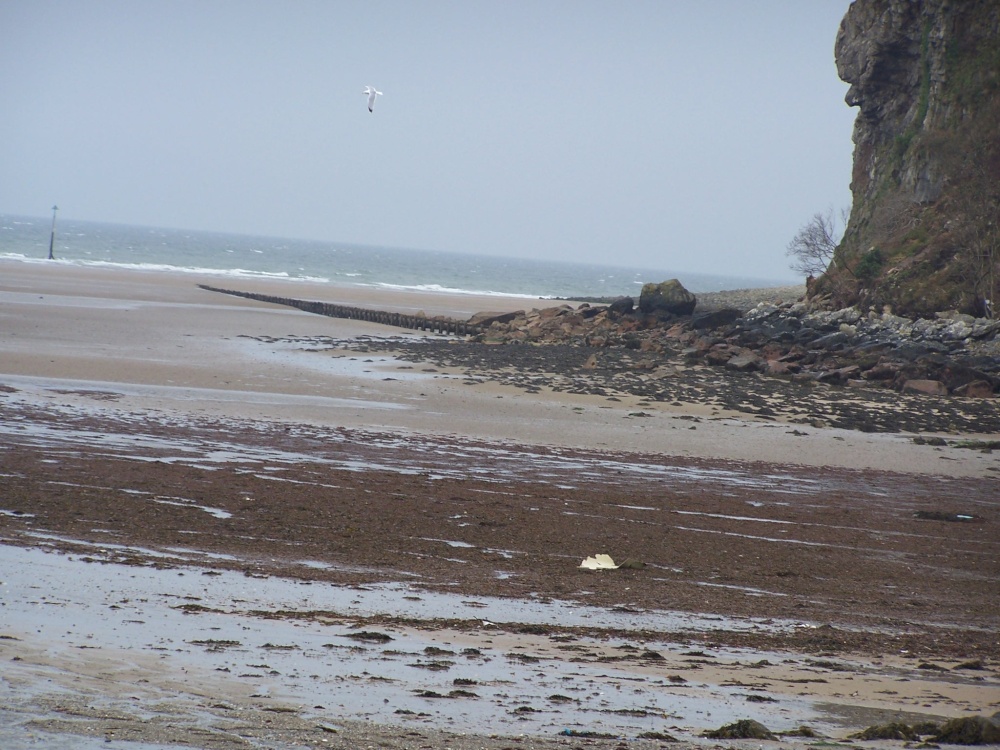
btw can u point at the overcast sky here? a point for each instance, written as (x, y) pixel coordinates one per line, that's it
(693, 135)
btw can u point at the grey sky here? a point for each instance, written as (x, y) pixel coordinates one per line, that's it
(692, 136)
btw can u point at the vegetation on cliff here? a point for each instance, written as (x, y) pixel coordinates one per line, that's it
(924, 230)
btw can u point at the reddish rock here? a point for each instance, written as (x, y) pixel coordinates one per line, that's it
(719, 355)
(486, 319)
(956, 375)
(551, 312)
(780, 368)
(881, 371)
(772, 351)
(629, 325)
(841, 374)
(976, 389)
(794, 354)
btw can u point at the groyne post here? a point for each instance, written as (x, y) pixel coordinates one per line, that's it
(382, 317)
(52, 236)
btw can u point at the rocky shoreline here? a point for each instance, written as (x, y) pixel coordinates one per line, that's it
(784, 357)
(747, 299)
(856, 358)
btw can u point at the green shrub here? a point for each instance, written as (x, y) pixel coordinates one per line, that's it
(870, 265)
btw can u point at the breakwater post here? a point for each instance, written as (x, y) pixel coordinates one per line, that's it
(52, 237)
(437, 324)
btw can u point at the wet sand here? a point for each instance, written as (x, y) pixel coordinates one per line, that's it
(201, 508)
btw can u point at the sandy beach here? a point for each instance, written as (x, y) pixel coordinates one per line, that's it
(227, 523)
(165, 343)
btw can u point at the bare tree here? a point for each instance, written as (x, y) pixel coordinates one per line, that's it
(812, 247)
(979, 257)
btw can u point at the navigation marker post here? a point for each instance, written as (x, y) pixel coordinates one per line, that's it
(52, 237)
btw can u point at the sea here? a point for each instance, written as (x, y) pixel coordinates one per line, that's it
(87, 243)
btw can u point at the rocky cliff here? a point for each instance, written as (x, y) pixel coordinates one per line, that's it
(924, 230)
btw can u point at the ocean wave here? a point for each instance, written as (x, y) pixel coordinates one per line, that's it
(438, 289)
(27, 239)
(167, 268)
(21, 258)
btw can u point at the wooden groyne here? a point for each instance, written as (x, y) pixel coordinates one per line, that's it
(400, 320)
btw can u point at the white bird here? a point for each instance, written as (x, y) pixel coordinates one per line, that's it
(372, 93)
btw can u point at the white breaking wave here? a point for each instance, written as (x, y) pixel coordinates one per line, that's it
(165, 268)
(450, 290)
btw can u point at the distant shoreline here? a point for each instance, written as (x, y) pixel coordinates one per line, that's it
(747, 299)
(743, 298)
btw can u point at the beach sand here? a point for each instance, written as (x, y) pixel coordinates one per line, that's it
(150, 427)
(179, 346)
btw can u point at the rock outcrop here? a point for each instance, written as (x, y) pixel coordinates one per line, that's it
(953, 354)
(924, 230)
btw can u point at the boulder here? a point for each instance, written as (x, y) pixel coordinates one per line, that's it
(831, 341)
(781, 369)
(975, 389)
(840, 374)
(666, 298)
(927, 387)
(716, 318)
(622, 306)
(552, 312)
(720, 354)
(744, 362)
(956, 375)
(486, 319)
(882, 371)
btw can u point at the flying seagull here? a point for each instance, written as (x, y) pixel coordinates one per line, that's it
(372, 93)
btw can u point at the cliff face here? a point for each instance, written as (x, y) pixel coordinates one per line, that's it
(924, 230)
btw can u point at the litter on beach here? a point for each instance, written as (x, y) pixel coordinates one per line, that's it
(599, 562)
(605, 562)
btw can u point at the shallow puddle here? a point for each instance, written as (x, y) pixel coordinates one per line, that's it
(309, 647)
(123, 434)
(191, 624)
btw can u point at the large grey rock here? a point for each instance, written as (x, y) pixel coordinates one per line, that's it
(622, 306)
(745, 362)
(716, 318)
(666, 298)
